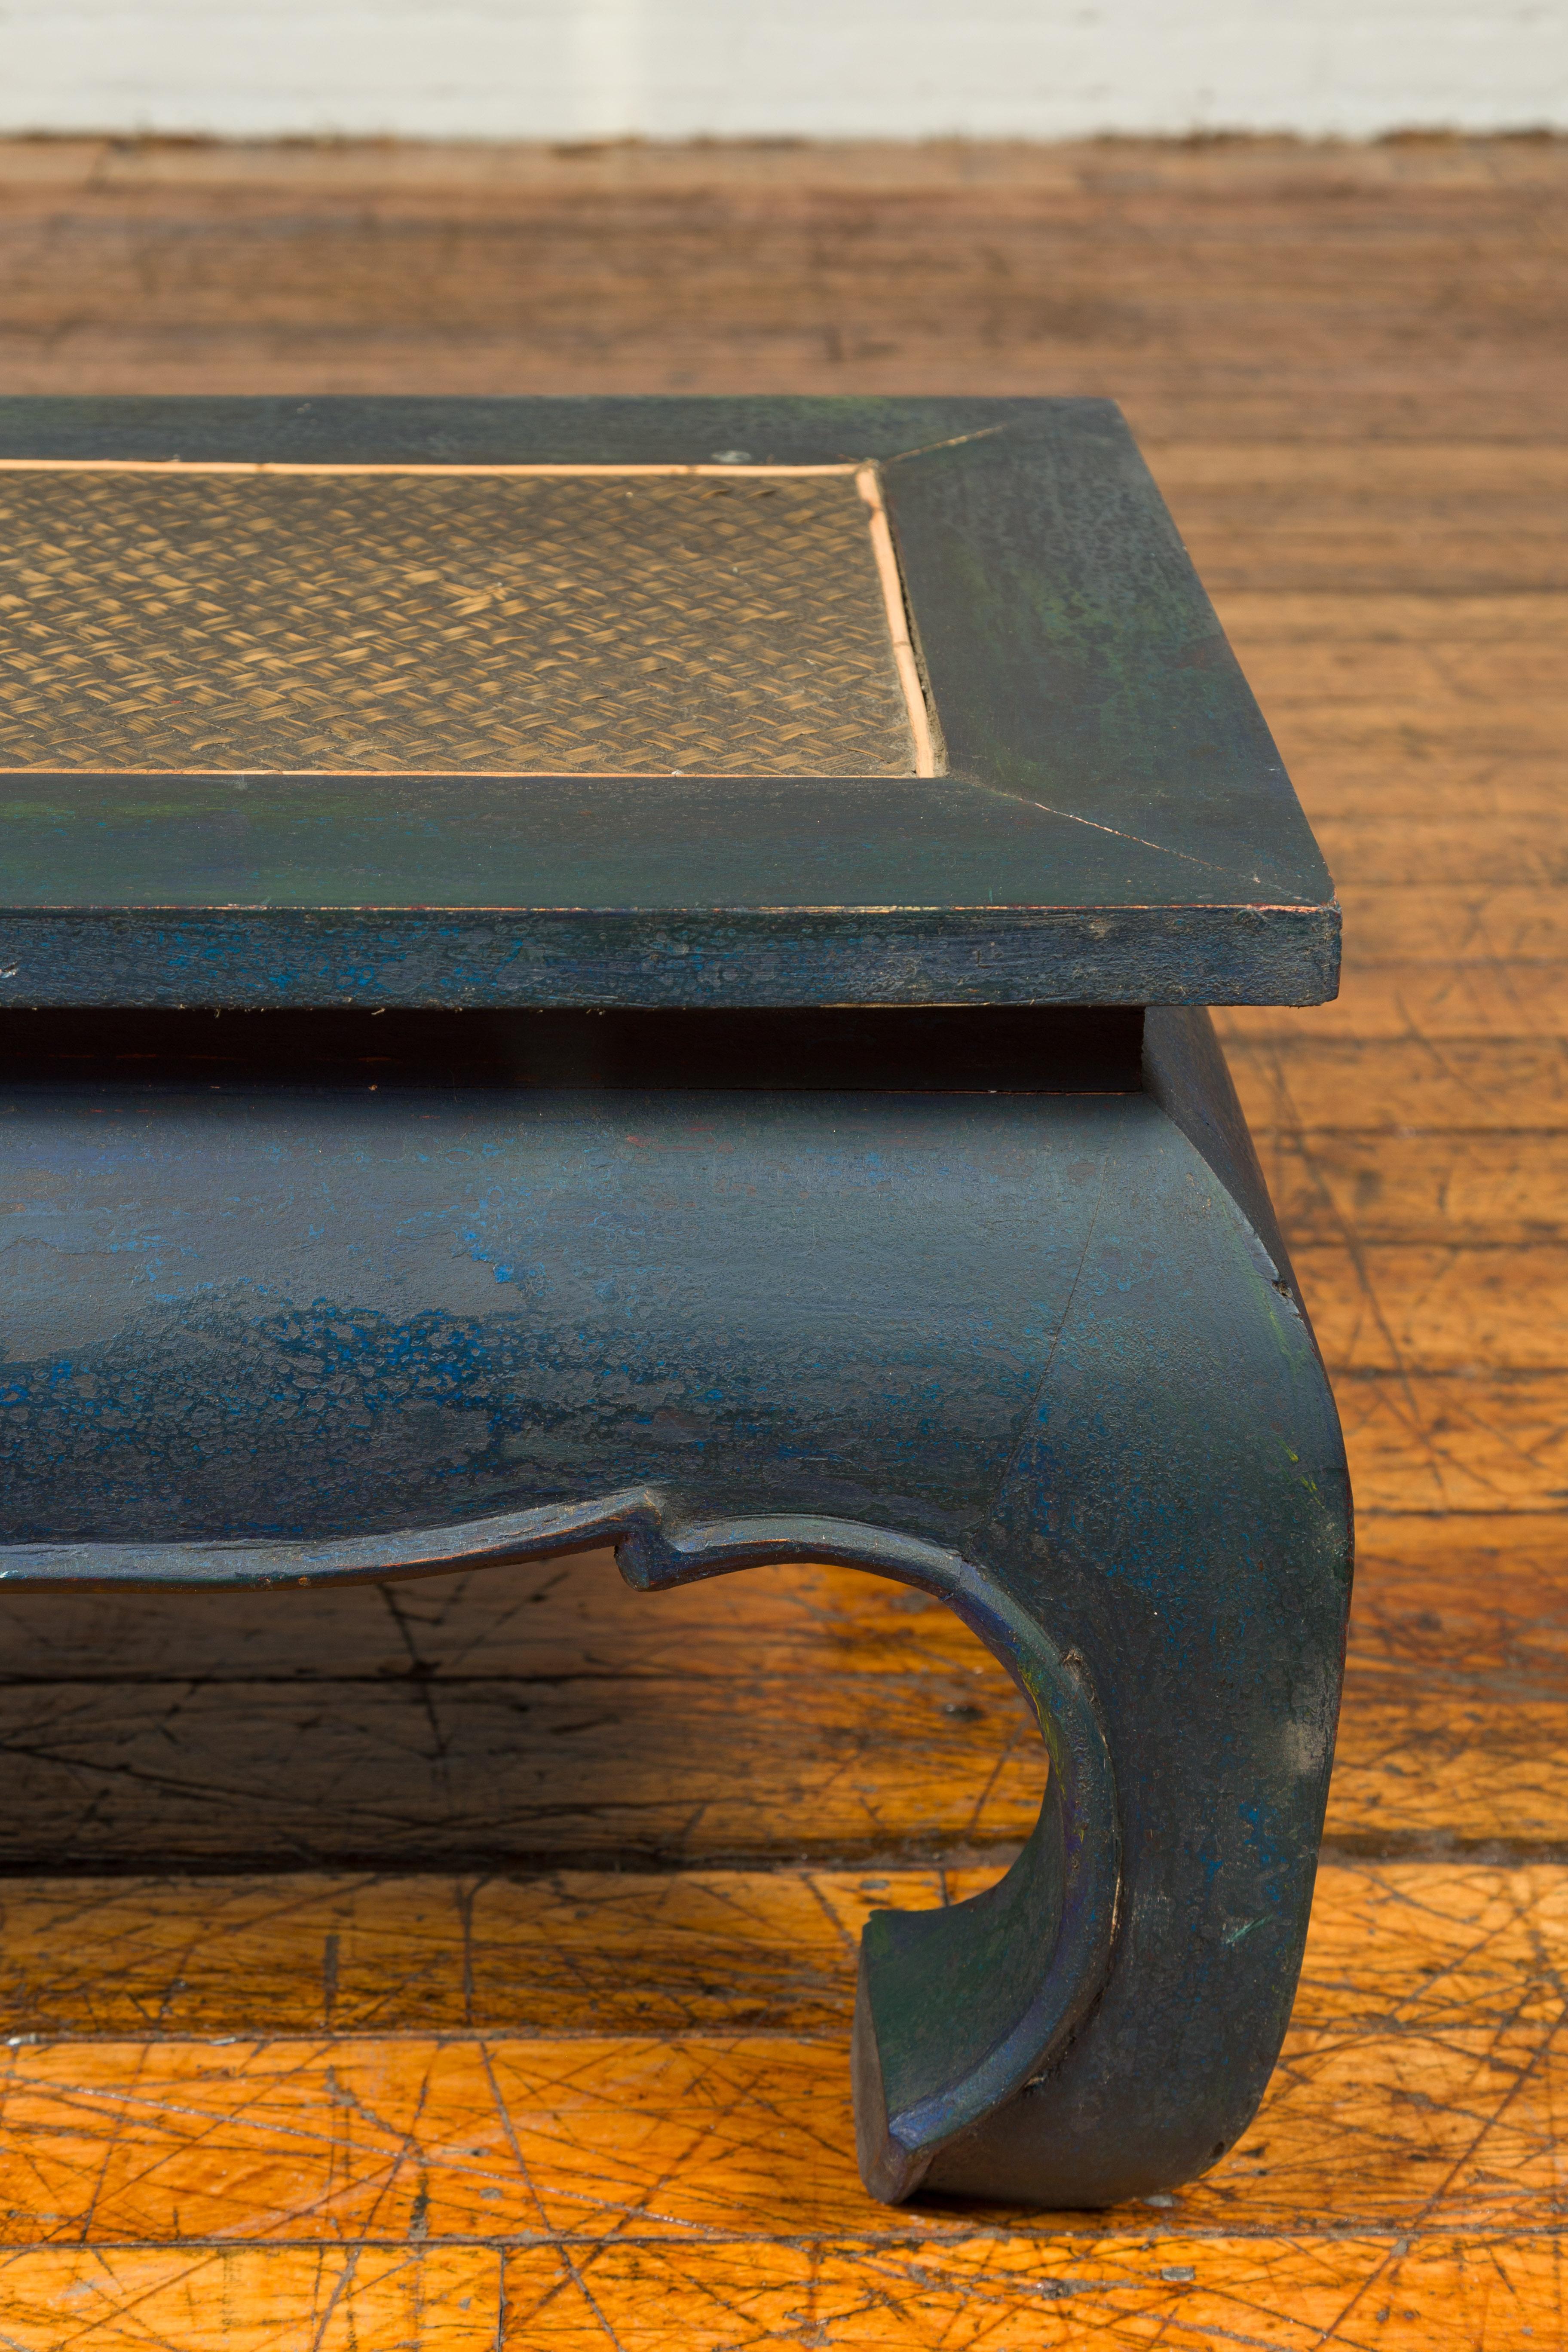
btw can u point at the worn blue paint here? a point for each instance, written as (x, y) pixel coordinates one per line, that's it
(1038, 1352)
(1115, 825)
(970, 1298)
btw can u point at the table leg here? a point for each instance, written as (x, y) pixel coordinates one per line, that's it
(1039, 1353)
(1164, 1567)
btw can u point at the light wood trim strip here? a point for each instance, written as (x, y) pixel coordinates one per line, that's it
(474, 776)
(269, 466)
(870, 489)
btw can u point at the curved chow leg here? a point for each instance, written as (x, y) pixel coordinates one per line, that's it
(1179, 1513)
(1038, 1352)
(1165, 1567)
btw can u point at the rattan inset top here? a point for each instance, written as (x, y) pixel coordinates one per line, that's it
(496, 622)
(762, 701)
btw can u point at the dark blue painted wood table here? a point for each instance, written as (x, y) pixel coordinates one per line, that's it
(636, 970)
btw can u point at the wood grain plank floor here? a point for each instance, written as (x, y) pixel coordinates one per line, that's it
(469, 1964)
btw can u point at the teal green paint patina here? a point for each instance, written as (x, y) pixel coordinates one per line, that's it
(412, 1170)
(1114, 824)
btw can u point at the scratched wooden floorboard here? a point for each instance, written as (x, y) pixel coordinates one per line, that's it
(1332, 1083)
(549, 1715)
(1255, 293)
(1474, 922)
(612, 2153)
(1446, 1189)
(592, 2090)
(1437, 1003)
(1455, 1944)
(1000, 2293)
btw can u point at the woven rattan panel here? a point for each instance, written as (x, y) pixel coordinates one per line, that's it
(480, 623)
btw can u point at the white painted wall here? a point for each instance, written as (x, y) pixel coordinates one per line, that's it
(560, 70)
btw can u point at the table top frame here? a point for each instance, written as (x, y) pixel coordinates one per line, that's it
(1112, 824)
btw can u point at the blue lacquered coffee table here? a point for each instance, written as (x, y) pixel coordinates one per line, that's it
(636, 970)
